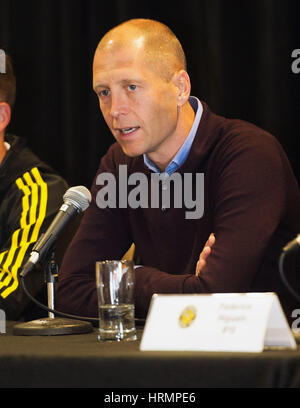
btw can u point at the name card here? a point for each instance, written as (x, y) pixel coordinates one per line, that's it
(241, 322)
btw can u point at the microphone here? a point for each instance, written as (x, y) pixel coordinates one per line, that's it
(76, 200)
(292, 245)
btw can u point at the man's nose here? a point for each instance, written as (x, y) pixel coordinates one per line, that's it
(119, 106)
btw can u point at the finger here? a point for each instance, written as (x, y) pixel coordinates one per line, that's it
(211, 240)
(200, 265)
(205, 252)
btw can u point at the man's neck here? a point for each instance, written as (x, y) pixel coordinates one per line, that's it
(2, 147)
(163, 158)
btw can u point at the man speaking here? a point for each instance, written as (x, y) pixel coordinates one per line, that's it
(250, 195)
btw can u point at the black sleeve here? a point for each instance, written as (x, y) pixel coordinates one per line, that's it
(29, 205)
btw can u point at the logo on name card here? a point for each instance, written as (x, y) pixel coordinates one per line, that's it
(187, 316)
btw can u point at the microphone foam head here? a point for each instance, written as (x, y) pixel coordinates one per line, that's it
(79, 196)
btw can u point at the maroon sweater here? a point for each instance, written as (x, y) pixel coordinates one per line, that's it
(251, 203)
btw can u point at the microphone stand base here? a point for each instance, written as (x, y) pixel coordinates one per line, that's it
(52, 327)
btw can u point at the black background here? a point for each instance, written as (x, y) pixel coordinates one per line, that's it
(239, 61)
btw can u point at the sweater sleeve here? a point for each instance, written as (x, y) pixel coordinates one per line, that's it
(30, 205)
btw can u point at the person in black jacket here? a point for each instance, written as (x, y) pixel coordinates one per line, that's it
(30, 195)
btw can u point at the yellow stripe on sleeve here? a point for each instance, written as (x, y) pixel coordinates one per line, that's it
(11, 253)
(43, 203)
(37, 212)
(34, 200)
(1, 259)
(14, 241)
(25, 201)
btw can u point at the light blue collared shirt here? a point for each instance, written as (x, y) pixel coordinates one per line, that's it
(183, 152)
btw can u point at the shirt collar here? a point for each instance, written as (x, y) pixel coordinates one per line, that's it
(183, 152)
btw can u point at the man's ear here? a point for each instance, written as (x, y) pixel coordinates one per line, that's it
(183, 84)
(5, 115)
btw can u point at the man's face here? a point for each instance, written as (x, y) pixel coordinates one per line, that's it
(138, 105)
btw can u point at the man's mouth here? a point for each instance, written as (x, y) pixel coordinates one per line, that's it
(128, 130)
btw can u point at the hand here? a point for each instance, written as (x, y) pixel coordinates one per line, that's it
(205, 253)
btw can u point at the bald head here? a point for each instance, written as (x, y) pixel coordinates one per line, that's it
(161, 49)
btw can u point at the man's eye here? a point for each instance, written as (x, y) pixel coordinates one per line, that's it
(132, 87)
(105, 92)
